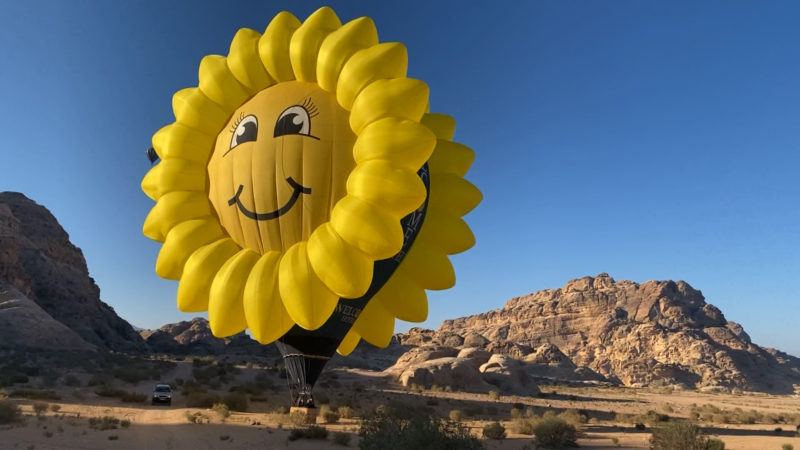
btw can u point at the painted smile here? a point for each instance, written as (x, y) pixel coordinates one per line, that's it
(298, 189)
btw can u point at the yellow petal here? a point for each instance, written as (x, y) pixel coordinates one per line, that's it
(266, 315)
(397, 189)
(375, 325)
(225, 309)
(429, 267)
(339, 46)
(199, 271)
(218, 83)
(404, 98)
(387, 60)
(349, 343)
(182, 240)
(403, 142)
(173, 174)
(344, 269)
(370, 228)
(180, 141)
(453, 193)
(307, 300)
(273, 47)
(305, 43)
(446, 232)
(194, 110)
(403, 297)
(442, 125)
(245, 63)
(173, 208)
(451, 157)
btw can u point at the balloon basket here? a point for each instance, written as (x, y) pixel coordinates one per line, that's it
(308, 415)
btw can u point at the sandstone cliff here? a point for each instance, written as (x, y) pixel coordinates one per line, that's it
(37, 258)
(653, 333)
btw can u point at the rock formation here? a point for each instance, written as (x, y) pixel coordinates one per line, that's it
(37, 258)
(653, 333)
(23, 324)
(195, 338)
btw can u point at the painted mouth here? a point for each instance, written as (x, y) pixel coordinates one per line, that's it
(298, 189)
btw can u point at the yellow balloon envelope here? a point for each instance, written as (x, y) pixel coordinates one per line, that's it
(304, 183)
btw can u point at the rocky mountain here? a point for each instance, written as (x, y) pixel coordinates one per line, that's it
(38, 260)
(195, 338)
(23, 323)
(596, 328)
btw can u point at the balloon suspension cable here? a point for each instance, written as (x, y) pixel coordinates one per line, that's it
(299, 367)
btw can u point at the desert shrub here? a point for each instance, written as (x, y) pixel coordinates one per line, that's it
(195, 417)
(201, 400)
(39, 408)
(640, 427)
(35, 394)
(311, 432)
(347, 412)
(456, 415)
(787, 447)
(103, 423)
(573, 417)
(236, 401)
(125, 423)
(329, 415)
(410, 429)
(222, 410)
(202, 361)
(224, 437)
(494, 395)
(55, 407)
(524, 425)
(105, 390)
(341, 439)
(282, 409)
(132, 397)
(678, 436)
(555, 433)
(715, 444)
(494, 431)
(517, 413)
(9, 412)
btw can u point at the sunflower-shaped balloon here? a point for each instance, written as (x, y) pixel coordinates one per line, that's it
(302, 180)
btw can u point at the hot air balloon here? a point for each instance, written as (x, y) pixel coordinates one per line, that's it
(305, 192)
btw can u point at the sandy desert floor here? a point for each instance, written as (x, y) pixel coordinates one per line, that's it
(611, 413)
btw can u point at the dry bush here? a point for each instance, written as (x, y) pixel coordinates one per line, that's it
(222, 410)
(456, 415)
(236, 401)
(347, 412)
(329, 414)
(311, 432)
(410, 429)
(679, 436)
(9, 412)
(341, 438)
(201, 400)
(103, 423)
(39, 408)
(494, 431)
(494, 395)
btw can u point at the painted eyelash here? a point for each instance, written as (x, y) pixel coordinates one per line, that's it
(310, 107)
(237, 122)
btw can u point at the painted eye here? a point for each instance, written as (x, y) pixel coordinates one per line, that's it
(293, 120)
(246, 131)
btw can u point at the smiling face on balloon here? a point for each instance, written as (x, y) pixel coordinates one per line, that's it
(280, 165)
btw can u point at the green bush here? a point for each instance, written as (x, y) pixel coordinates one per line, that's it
(553, 432)
(312, 432)
(407, 429)
(678, 436)
(103, 423)
(9, 412)
(236, 401)
(494, 431)
(201, 400)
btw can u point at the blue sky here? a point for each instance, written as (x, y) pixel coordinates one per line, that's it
(649, 140)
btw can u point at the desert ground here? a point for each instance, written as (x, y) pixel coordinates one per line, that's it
(72, 402)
